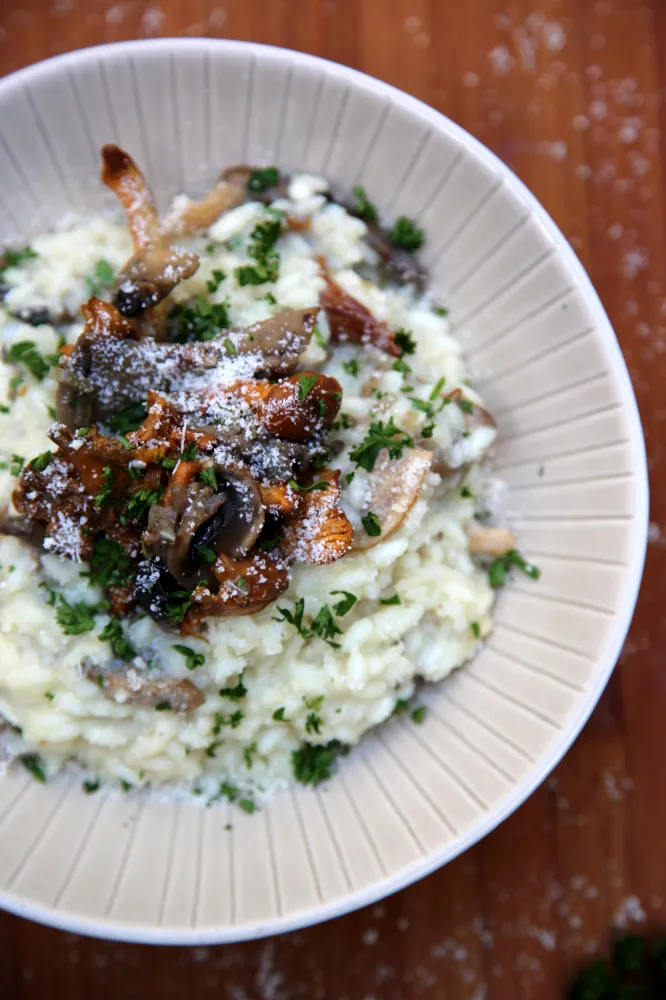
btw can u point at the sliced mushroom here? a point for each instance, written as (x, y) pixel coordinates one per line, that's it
(476, 415)
(198, 524)
(394, 486)
(320, 532)
(107, 370)
(126, 685)
(24, 528)
(349, 320)
(490, 541)
(121, 174)
(280, 340)
(239, 176)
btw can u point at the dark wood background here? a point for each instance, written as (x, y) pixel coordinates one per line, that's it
(570, 93)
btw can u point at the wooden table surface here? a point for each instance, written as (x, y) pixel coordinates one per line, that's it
(571, 94)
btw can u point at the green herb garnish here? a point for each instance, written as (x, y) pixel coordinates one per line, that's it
(215, 281)
(400, 707)
(380, 436)
(418, 714)
(499, 568)
(129, 419)
(16, 465)
(236, 692)
(263, 178)
(120, 644)
(371, 524)
(404, 340)
(207, 554)
(363, 207)
(75, 619)
(90, 787)
(306, 384)
(208, 477)
(14, 258)
(41, 461)
(278, 714)
(197, 320)
(321, 485)
(32, 762)
(313, 764)
(351, 366)
(390, 600)
(264, 236)
(25, 352)
(164, 706)
(141, 501)
(324, 626)
(344, 606)
(177, 604)
(109, 565)
(405, 234)
(192, 658)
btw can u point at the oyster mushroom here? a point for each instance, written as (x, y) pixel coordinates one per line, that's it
(126, 685)
(398, 265)
(351, 321)
(240, 176)
(157, 265)
(393, 488)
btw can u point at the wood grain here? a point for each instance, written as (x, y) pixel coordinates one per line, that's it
(570, 93)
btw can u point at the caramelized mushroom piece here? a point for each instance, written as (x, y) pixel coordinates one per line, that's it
(197, 524)
(299, 406)
(157, 266)
(126, 685)
(196, 215)
(489, 541)
(280, 340)
(319, 532)
(350, 320)
(22, 527)
(393, 488)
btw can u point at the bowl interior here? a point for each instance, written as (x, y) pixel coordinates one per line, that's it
(570, 451)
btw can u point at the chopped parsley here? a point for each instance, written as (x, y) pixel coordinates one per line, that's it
(314, 703)
(323, 626)
(4, 408)
(90, 787)
(306, 384)
(418, 714)
(75, 619)
(103, 276)
(49, 695)
(207, 554)
(189, 453)
(351, 366)
(14, 258)
(236, 692)
(321, 485)
(164, 706)
(313, 723)
(141, 501)
(192, 658)
(400, 707)
(405, 234)
(197, 320)
(400, 365)
(249, 753)
(344, 606)
(263, 178)
(371, 524)
(25, 352)
(234, 720)
(380, 436)
(177, 604)
(129, 419)
(247, 805)
(41, 461)
(263, 238)
(208, 477)
(313, 764)
(344, 421)
(437, 389)
(230, 346)
(363, 207)
(215, 280)
(120, 644)
(105, 496)
(269, 544)
(404, 340)
(16, 465)
(109, 565)
(440, 311)
(390, 600)
(476, 630)
(32, 762)
(500, 567)
(466, 405)
(278, 714)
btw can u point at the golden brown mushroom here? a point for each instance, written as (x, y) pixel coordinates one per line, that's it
(320, 532)
(394, 486)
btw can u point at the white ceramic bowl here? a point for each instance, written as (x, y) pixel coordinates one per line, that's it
(549, 366)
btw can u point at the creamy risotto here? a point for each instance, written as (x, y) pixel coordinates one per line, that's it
(243, 503)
